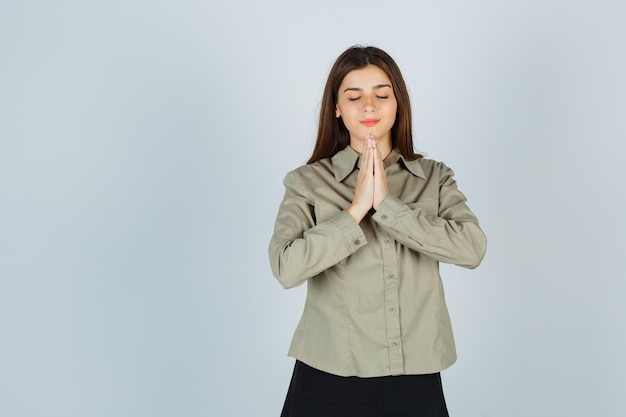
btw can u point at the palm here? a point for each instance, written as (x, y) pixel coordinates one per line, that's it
(371, 184)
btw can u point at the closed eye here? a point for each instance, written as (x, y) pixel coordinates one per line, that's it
(383, 97)
(354, 98)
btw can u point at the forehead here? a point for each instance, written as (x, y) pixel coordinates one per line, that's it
(366, 77)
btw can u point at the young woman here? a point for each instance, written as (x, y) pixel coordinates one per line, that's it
(365, 224)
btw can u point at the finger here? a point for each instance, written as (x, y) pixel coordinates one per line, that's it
(371, 145)
(370, 141)
(371, 155)
(375, 147)
(376, 156)
(366, 156)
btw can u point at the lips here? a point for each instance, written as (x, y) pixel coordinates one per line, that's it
(369, 122)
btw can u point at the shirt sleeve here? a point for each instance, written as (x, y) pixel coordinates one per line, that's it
(453, 235)
(301, 248)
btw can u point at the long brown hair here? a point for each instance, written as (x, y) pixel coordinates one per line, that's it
(332, 135)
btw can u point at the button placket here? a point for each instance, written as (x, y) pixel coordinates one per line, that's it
(391, 300)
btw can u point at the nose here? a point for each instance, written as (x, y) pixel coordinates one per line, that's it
(368, 104)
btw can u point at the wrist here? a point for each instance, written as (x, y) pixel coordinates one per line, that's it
(357, 213)
(377, 204)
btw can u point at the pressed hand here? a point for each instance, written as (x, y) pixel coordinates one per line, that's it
(364, 189)
(380, 178)
(371, 182)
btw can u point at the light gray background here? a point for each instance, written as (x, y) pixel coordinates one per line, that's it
(142, 149)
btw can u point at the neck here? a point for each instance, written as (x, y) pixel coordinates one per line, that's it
(384, 148)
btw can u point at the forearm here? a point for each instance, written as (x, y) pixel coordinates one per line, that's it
(297, 255)
(458, 241)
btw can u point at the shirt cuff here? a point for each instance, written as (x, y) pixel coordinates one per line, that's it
(388, 210)
(350, 229)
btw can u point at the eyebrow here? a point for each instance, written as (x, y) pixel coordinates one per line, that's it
(360, 89)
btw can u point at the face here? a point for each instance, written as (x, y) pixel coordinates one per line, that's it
(366, 104)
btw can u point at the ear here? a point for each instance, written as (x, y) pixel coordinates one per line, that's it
(337, 112)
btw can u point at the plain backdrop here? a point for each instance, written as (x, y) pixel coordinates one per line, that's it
(142, 149)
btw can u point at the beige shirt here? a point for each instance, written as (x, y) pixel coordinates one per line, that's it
(375, 301)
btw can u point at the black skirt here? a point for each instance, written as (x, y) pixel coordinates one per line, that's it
(314, 393)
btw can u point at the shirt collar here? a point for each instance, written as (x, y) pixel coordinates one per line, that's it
(344, 162)
(347, 159)
(414, 167)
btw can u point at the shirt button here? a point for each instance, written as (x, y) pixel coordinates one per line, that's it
(388, 241)
(357, 242)
(391, 276)
(394, 344)
(392, 309)
(384, 217)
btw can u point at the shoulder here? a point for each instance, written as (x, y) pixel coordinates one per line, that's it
(316, 169)
(430, 164)
(431, 168)
(304, 175)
